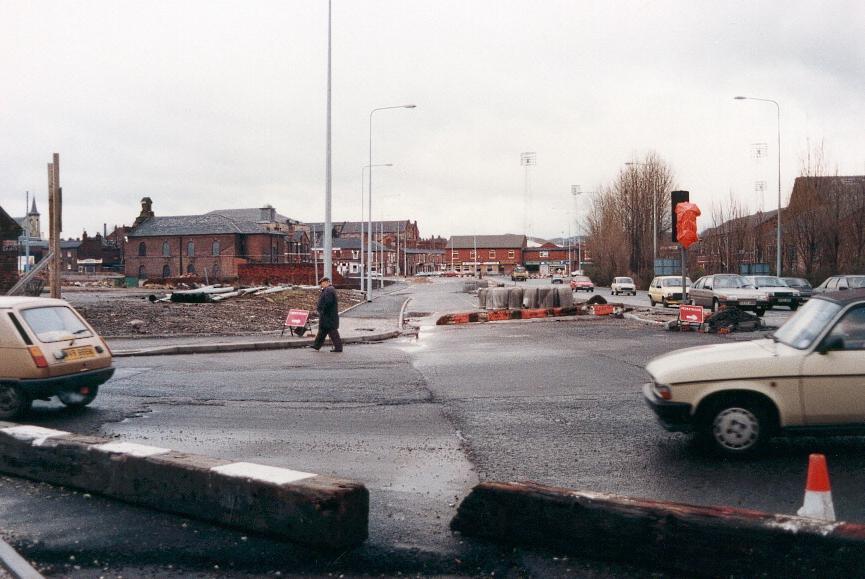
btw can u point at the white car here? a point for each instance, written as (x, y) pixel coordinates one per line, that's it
(807, 379)
(623, 285)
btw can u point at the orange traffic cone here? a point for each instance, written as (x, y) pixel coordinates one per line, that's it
(818, 494)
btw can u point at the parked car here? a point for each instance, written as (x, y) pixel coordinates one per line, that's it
(779, 293)
(449, 273)
(623, 285)
(519, 274)
(727, 290)
(667, 290)
(806, 379)
(582, 283)
(841, 283)
(48, 350)
(801, 285)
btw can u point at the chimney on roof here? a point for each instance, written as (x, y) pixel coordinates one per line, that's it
(146, 211)
(268, 213)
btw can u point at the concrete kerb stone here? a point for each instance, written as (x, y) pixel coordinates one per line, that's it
(15, 564)
(637, 318)
(716, 541)
(305, 508)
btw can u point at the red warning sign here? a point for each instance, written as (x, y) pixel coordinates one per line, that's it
(296, 318)
(691, 314)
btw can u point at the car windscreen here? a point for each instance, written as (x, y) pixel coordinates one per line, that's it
(733, 281)
(581, 278)
(796, 282)
(802, 329)
(624, 280)
(675, 282)
(769, 281)
(55, 324)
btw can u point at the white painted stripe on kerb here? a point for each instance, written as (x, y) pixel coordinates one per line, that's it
(260, 472)
(36, 434)
(131, 449)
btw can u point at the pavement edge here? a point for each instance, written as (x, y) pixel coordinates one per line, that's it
(305, 508)
(720, 541)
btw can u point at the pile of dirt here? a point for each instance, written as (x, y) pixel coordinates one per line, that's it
(124, 315)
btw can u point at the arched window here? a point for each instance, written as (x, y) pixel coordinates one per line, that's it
(142, 249)
(215, 270)
(190, 249)
(215, 248)
(166, 271)
(190, 268)
(142, 274)
(166, 249)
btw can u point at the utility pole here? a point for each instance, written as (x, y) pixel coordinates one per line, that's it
(55, 210)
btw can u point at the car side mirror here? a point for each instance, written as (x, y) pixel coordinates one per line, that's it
(831, 343)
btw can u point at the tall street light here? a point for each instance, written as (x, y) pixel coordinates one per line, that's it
(778, 216)
(576, 192)
(328, 226)
(369, 192)
(362, 184)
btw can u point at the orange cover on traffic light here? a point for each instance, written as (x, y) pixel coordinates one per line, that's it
(686, 223)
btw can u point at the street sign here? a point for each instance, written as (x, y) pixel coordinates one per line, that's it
(691, 314)
(296, 318)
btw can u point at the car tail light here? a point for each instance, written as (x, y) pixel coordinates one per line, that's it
(663, 392)
(38, 357)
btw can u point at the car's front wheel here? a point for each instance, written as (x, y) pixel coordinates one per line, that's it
(794, 306)
(735, 427)
(77, 399)
(13, 402)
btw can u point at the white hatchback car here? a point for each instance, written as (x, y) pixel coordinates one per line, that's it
(623, 285)
(808, 378)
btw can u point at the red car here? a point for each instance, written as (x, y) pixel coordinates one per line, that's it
(449, 274)
(582, 282)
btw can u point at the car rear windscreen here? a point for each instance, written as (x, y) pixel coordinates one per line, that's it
(55, 323)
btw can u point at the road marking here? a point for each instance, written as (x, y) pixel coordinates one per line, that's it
(260, 472)
(132, 449)
(36, 434)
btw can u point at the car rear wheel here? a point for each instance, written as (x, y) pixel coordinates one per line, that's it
(13, 402)
(664, 302)
(736, 427)
(651, 301)
(77, 399)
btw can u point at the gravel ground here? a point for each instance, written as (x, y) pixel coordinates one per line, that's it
(116, 315)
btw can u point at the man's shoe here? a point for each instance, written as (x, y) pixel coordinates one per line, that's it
(316, 349)
(335, 350)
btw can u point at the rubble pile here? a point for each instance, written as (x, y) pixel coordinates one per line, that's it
(125, 315)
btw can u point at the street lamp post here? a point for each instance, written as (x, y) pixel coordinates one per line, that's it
(575, 191)
(369, 192)
(362, 183)
(778, 216)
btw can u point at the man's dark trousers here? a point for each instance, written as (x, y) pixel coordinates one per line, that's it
(334, 337)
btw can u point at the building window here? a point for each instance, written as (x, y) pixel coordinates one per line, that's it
(455, 254)
(166, 271)
(190, 249)
(511, 254)
(215, 247)
(355, 254)
(472, 254)
(166, 250)
(215, 270)
(142, 249)
(492, 254)
(141, 273)
(191, 268)
(545, 254)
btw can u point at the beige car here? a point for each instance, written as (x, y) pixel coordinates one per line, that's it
(809, 378)
(667, 290)
(47, 349)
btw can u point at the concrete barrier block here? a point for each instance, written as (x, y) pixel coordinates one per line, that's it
(699, 541)
(299, 506)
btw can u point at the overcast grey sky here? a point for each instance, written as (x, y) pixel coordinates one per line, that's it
(204, 105)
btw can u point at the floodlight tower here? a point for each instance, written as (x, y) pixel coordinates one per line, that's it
(527, 160)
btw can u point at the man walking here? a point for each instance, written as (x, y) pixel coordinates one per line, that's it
(328, 317)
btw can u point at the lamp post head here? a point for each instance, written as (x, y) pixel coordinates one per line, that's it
(739, 98)
(409, 106)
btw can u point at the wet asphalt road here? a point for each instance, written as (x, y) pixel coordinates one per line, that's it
(420, 421)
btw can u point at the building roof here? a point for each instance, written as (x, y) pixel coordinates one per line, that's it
(9, 228)
(354, 243)
(207, 224)
(251, 214)
(422, 251)
(70, 243)
(504, 241)
(354, 227)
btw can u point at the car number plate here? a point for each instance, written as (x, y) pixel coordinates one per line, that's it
(783, 300)
(747, 302)
(80, 353)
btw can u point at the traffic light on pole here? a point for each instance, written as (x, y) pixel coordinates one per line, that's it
(676, 197)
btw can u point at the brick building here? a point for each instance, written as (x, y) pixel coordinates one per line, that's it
(544, 257)
(9, 233)
(211, 245)
(496, 254)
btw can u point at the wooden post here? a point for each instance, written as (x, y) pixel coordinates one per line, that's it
(55, 209)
